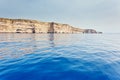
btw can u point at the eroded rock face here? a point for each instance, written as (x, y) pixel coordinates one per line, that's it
(33, 26)
(90, 31)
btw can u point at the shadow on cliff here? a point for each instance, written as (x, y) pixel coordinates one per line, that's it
(51, 28)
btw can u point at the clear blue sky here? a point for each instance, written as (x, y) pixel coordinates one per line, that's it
(102, 15)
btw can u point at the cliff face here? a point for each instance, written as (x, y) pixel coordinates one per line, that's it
(91, 31)
(33, 26)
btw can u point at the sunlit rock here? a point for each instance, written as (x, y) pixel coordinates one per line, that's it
(33, 26)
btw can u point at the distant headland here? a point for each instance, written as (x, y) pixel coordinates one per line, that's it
(34, 26)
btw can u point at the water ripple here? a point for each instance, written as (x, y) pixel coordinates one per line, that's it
(59, 57)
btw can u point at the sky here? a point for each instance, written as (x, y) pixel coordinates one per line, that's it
(101, 15)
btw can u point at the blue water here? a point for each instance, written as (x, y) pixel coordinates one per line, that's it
(59, 56)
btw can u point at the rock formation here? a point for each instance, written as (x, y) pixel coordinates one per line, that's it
(91, 31)
(33, 26)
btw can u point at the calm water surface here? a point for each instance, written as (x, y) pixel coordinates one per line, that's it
(59, 56)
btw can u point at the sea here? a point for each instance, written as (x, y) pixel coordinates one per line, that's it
(59, 56)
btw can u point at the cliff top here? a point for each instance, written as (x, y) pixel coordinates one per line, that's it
(26, 20)
(7, 20)
(18, 20)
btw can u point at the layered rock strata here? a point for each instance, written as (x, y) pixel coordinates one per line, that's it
(33, 26)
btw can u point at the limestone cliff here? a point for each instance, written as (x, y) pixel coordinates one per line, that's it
(33, 26)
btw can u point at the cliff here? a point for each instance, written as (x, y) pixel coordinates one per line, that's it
(33, 26)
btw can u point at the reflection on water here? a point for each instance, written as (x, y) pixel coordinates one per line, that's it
(20, 44)
(51, 38)
(59, 56)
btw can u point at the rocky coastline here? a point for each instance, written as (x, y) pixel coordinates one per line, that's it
(34, 26)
